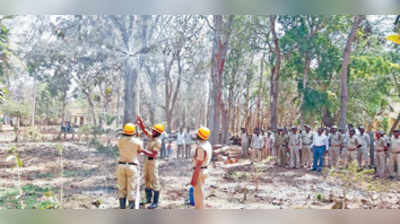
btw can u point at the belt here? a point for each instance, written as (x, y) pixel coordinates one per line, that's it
(127, 163)
(203, 167)
(150, 158)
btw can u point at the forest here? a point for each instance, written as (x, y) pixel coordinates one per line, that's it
(68, 85)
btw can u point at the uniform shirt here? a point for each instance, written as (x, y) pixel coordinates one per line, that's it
(294, 140)
(154, 144)
(129, 148)
(307, 138)
(352, 143)
(268, 141)
(395, 145)
(204, 153)
(180, 138)
(335, 139)
(364, 140)
(343, 139)
(379, 144)
(278, 140)
(320, 140)
(257, 142)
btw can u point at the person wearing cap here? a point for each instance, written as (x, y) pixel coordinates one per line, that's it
(244, 142)
(395, 154)
(352, 147)
(334, 149)
(268, 145)
(380, 146)
(257, 144)
(363, 154)
(201, 161)
(129, 147)
(285, 147)
(320, 145)
(277, 146)
(151, 178)
(295, 145)
(307, 139)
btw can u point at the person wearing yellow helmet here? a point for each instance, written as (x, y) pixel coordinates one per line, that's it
(151, 179)
(201, 160)
(129, 147)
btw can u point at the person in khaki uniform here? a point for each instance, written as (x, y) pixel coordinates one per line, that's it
(129, 148)
(268, 145)
(307, 154)
(257, 144)
(295, 145)
(343, 143)
(380, 146)
(395, 155)
(363, 154)
(334, 149)
(279, 148)
(352, 147)
(285, 147)
(201, 161)
(152, 181)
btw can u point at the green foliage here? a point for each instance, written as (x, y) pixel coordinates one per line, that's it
(16, 109)
(34, 197)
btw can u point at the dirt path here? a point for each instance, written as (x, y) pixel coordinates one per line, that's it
(89, 181)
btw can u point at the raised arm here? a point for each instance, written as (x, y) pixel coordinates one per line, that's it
(139, 122)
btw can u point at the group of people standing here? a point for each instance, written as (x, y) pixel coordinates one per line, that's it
(131, 146)
(295, 148)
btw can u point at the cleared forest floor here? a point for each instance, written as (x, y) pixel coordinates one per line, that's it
(89, 182)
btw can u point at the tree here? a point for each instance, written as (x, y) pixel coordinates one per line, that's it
(343, 79)
(222, 28)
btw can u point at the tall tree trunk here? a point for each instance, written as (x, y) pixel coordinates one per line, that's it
(343, 80)
(130, 101)
(307, 63)
(222, 31)
(260, 88)
(92, 111)
(275, 75)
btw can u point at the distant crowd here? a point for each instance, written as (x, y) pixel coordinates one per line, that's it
(324, 147)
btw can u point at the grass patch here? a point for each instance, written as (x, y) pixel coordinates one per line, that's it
(34, 197)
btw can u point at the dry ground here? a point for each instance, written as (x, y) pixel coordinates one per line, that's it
(89, 181)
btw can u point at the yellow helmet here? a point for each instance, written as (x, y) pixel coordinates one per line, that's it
(394, 38)
(129, 129)
(203, 133)
(158, 128)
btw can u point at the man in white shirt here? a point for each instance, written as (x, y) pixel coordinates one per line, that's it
(320, 145)
(180, 142)
(188, 144)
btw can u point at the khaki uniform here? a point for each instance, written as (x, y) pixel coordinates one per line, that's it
(295, 145)
(151, 178)
(334, 149)
(277, 146)
(129, 147)
(307, 154)
(363, 153)
(268, 145)
(343, 143)
(257, 145)
(351, 149)
(395, 156)
(380, 156)
(204, 153)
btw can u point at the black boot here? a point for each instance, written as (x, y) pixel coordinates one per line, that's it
(131, 205)
(155, 201)
(122, 203)
(149, 195)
